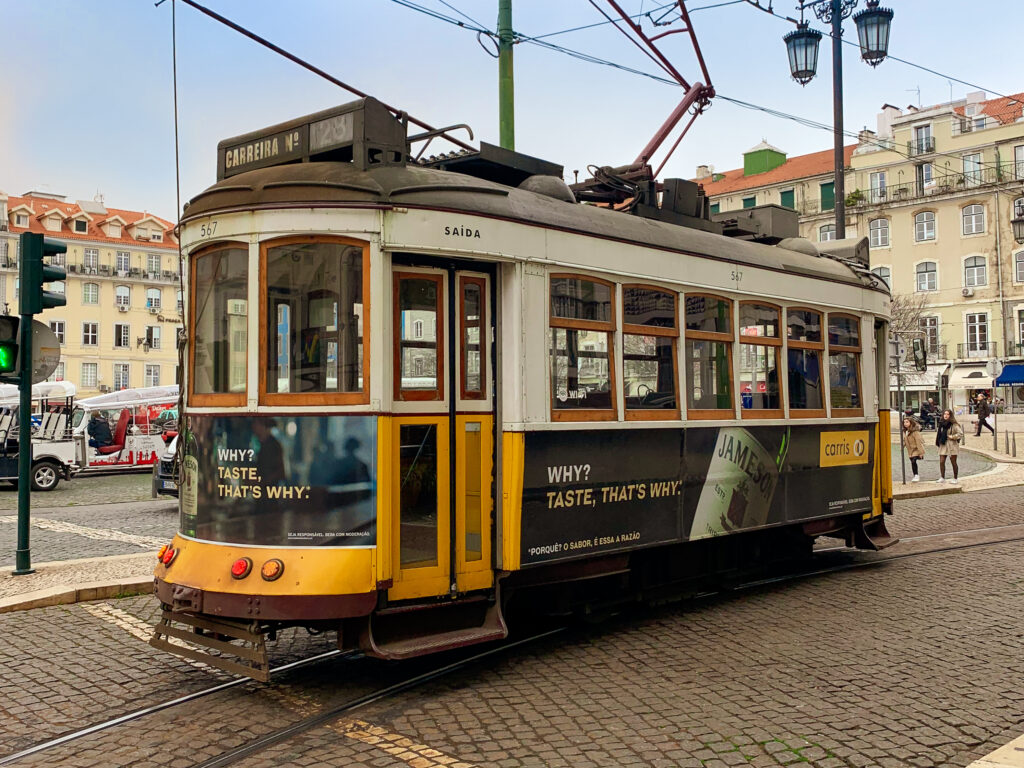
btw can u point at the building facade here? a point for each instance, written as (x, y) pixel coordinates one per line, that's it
(124, 301)
(934, 191)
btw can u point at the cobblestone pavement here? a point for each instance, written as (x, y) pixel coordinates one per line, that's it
(85, 489)
(912, 663)
(970, 463)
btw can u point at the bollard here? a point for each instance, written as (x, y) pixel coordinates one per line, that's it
(1006, 441)
(1015, 445)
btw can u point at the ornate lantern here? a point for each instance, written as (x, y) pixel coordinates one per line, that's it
(802, 47)
(873, 30)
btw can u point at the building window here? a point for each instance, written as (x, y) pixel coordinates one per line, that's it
(153, 263)
(121, 380)
(977, 335)
(923, 175)
(91, 259)
(806, 346)
(122, 335)
(878, 233)
(58, 372)
(927, 276)
(20, 220)
(582, 321)
(787, 198)
(708, 357)
(885, 273)
(81, 226)
(924, 226)
(90, 334)
(58, 287)
(650, 328)
(715, 207)
(930, 328)
(90, 293)
(828, 196)
(417, 329)
(1018, 161)
(113, 230)
(749, 202)
(156, 236)
(152, 375)
(972, 169)
(153, 298)
(877, 181)
(1018, 267)
(827, 232)
(974, 272)
(123, 296)
(760, 359)
(973, 219)
(123, 262)
(89, 375)
(57, 326)
(59, 259)
(844, 364)
(153, 336)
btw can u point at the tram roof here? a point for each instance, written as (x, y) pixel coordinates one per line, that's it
(342, 183)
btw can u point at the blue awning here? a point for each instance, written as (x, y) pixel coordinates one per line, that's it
(1012, 374)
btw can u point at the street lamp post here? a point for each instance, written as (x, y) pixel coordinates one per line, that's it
(802, 46)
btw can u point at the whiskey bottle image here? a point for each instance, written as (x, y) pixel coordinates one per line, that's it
(741, 481)
(188, 489)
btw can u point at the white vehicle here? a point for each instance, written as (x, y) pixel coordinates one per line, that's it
(53, 449)
(124, 430)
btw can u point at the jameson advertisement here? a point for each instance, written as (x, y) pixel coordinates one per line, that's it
(307, 481)
(587, 492)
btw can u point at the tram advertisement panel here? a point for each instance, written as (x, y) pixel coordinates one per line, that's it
(586, 492)
(280, 481)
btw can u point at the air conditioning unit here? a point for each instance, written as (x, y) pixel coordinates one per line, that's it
(104, 388)
(122, 273)
(967, 292)
(122, 308)
(154, 310)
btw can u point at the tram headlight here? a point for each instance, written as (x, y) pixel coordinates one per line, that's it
(241, 568)
(272, 569)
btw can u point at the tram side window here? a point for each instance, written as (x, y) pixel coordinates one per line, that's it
(582, 322)
(709, 357)
(844, 365)
(419, 321)
(760, 349)
(650, 329)
(220, 345)
(806, 347)
(314, 318)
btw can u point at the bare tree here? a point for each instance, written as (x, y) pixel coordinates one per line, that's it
(906, 312)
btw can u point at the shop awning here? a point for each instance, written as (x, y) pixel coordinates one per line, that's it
(916, 380)
(1012, 374)
(970, 377)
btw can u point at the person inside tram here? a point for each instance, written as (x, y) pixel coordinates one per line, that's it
(270, 457)
(99, 430)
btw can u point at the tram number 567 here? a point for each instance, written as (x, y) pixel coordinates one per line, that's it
(208, 229)
(737, 275)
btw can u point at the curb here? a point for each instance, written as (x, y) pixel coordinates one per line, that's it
(926, 492)
(97, 590)
(1009, 755)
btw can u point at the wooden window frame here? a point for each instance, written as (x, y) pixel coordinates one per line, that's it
(215, 399)
(764, 341)
(584, 414)
(819, 347)
(311, 398)
(856, 350)
(481, 283)
(418, 395)
(633, 329)
(727, 338)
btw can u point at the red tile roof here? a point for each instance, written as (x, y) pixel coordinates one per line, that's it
(43, 205)
(1004, 109)
(800, 167)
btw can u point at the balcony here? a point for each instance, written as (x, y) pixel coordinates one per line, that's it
(976, 351)
(1015, 349)
(915, 190)
(924, 146)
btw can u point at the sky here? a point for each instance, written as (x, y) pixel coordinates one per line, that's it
(88, 103)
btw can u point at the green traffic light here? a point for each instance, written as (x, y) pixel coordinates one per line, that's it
(8, 357)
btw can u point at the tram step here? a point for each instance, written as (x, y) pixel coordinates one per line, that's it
(403, 636)
(874, 536)
(217, 636)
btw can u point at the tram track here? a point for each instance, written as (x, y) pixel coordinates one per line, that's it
(333, 713)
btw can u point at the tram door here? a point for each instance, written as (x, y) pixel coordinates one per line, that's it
(442, 436)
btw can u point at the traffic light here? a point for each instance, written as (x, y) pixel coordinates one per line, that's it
(34, 272)
(920, 355)
(8, 346)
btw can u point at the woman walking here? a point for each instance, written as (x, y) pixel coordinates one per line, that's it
(947, 438)
(914, 442)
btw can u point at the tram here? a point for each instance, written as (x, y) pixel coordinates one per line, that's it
(418, 390)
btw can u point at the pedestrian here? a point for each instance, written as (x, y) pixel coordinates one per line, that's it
(914, 442)
(983, 413)
(948, 435)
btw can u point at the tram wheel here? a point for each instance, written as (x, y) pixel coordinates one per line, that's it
(45, 476)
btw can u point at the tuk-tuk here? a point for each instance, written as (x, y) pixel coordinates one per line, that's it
(54, 455)
(124, 430)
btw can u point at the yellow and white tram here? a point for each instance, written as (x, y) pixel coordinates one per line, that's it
(412, 390)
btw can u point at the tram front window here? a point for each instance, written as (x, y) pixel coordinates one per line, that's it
(220, 291)
(314, 318)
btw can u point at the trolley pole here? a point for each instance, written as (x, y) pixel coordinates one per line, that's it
(506, 81)
(23, 555)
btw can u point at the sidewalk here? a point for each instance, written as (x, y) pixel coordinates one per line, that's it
(72, 581)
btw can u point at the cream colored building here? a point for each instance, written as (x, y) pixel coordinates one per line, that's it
(119, 327)
(933, 190)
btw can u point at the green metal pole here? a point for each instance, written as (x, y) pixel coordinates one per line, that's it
(506, 81)
(22, 555)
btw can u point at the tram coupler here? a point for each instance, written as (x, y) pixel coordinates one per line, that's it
(214, 641)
